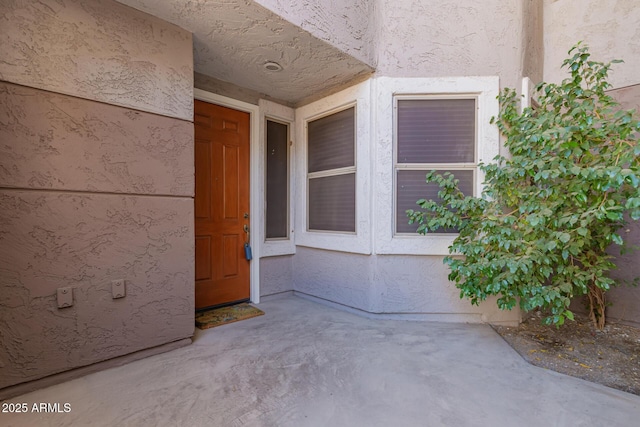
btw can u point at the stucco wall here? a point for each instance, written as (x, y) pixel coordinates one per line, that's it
(54, 141)
(343, 23)
(96, 184)
(610, 28)
(452, 38)
(625, 300)
(98, 49)
(409, 287)
(276, 275)
(533, 39)
(233, 91)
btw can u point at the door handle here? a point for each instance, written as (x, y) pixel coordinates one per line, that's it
(246, 230)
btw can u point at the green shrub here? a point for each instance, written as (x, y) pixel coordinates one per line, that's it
(538, 235)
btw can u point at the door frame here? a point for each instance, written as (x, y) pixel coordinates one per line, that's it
(255, 169)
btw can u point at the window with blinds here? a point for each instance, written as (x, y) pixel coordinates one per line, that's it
(331, 173)
(277, 181)
(432, 134)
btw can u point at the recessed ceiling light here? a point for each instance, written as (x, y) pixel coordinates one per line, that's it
(272, 66)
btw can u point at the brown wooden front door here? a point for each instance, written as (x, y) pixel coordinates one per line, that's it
(221, 204)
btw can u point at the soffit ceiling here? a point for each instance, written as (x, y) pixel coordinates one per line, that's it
(233, 39)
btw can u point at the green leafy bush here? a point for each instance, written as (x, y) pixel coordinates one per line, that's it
(538, 235)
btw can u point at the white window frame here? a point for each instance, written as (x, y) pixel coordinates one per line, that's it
(288, 184)
(486, 90)
(347, 170)
(359, 241)
(426, 167)
(528, 95)
(279, 113)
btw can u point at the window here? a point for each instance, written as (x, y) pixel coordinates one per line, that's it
(331, 172)
(277, 181)
(432, 133)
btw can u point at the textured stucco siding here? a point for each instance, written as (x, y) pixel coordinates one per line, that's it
(345, 24)
(610, 28)
(533, 38)
(276, 275)
(335, 276)
(100, 50)
(451, 38)
(235, 38)
(412, 287)
(96, 184)
(48, 140)
(625, 300)
(51, 240)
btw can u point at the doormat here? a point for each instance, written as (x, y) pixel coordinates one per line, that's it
(221, 316)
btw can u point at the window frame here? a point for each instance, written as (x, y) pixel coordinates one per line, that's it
(426, 167)
(347, 170)
(361, 241)
(270, 110)
(528, 95)
(486, 88)
(268, 118)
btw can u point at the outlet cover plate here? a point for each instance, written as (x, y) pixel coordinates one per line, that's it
(118, 289)
(65, 297)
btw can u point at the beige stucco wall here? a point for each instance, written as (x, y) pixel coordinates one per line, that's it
(398, 286)
(452, 38)
(276, 275)
(625, 300)
(54, 141)
(533, 40)
(414, 38)
(610, 28)
(345, 24)
(99, 50)
(96, 184)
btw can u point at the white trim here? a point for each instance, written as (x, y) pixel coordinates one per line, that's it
(360, 241)
(486, 90)
(346, 170)
(264, 155)
(254, 180)
(528, 98)
(280, 113)
(332, 172)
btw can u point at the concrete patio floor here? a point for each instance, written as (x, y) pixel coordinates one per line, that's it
(306, 364)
